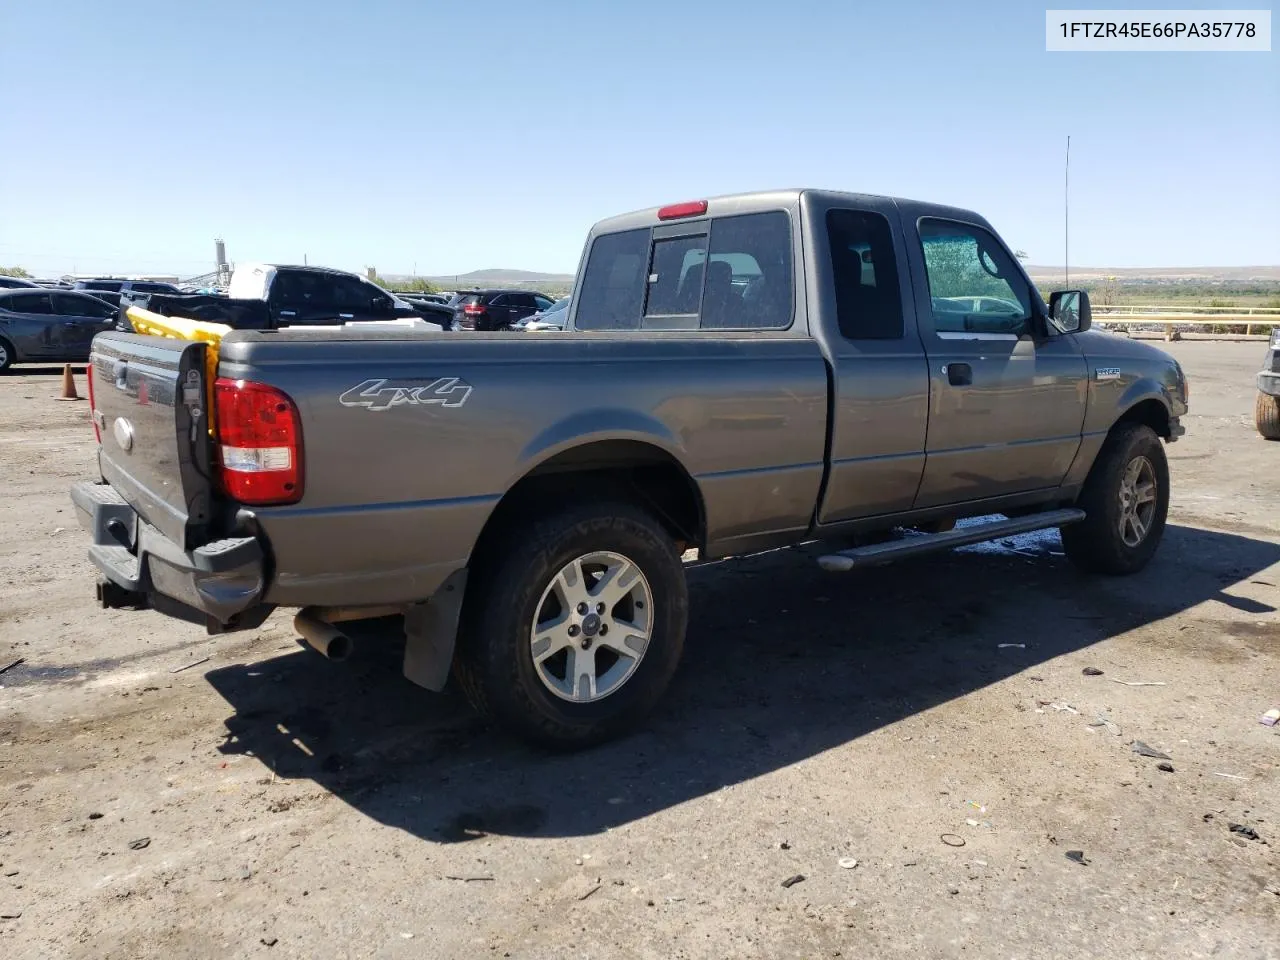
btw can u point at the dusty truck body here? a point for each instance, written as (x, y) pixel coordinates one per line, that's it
(736, 375)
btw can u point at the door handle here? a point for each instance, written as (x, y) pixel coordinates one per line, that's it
(347, 316)
(288, 313)
(958, 374)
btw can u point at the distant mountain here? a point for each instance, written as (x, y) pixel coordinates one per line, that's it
(496, 277)
(1220, 274)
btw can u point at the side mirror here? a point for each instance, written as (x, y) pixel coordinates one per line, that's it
(1069, 311)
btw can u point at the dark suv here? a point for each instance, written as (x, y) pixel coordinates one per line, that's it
(495, 309)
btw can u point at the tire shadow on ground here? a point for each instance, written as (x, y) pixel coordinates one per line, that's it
(782, 662)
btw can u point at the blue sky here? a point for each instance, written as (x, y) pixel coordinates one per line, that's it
(463, 135)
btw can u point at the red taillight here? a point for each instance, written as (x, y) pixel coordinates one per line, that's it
(474, 308)
(694, 208)
(93, 407)
(259, 443)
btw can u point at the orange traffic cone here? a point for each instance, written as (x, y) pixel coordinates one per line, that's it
(68, 385)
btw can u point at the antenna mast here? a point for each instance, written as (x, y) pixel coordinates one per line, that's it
(1066, 217)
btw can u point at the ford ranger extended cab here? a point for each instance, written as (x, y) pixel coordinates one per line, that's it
(736, 374)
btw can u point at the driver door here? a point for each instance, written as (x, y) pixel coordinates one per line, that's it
(1006, 398)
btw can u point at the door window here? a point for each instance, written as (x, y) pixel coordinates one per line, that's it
(543, 303)
(974, 285)
(351, 295)
(868, 297)
(70, 305)
(37, 303)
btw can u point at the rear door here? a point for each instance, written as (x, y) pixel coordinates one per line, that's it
(523, 305)
(1007, 399)
(303, 297)
(498, 313)
(80, 318)
(880, 379)
(31, 325)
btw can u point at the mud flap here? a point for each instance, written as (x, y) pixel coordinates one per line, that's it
(431, 630)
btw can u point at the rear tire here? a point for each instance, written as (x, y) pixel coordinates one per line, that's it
(536, 654)
(8, 356)
(1266, 414)
(1126, 502)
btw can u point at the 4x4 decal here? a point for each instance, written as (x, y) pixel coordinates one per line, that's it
(379, 395)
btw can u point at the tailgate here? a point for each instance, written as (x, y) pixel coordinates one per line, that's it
(149, 405)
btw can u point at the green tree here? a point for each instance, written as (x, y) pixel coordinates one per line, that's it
(14, 272)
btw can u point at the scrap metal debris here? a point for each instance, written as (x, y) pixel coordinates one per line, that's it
(188, 666)
(1140, 683)
(1142, 749)
(792, 881)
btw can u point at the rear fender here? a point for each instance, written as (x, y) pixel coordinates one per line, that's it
(592, 426)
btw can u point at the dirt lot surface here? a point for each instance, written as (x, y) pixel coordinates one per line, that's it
(930, 721)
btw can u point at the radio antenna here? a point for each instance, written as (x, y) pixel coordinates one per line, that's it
(1066, 217)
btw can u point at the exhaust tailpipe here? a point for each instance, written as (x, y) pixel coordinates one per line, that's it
(322, 636)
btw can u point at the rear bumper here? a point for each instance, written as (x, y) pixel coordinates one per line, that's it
(1269, 383)
(220, 580)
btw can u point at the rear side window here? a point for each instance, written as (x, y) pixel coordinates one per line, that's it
(612, 287)
(868, 297)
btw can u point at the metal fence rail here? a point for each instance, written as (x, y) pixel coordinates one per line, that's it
(1264, 319)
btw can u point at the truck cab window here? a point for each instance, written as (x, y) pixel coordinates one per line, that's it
(868, 298)
(748, 273)
(676, 273)
(612, 291)
(974, 285)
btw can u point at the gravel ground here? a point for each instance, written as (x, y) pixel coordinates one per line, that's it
(930, 721)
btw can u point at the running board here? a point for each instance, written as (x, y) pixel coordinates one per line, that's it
(879, 553)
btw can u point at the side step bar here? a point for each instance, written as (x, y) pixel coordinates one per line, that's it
(879, 553)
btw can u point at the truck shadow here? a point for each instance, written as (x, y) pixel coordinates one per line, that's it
(782, 662)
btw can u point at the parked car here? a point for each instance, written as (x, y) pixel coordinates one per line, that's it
(55, 325)
(495, 309)
(12, 283)
(762, 370)
(431, 307)
(265, 296)
(552, 318)
(1266, 409)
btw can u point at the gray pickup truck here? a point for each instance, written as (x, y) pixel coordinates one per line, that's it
(736, 374)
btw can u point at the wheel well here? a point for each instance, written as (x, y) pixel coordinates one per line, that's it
(627, 469)
(1151, 413)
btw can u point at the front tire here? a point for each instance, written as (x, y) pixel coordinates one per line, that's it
(1266, 414)
(1126, 502)
(574, 625)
